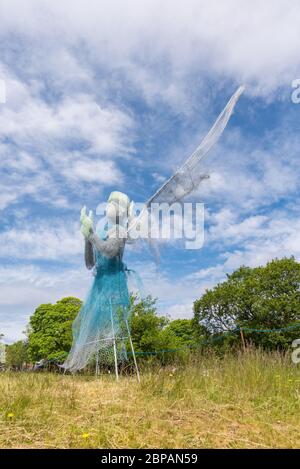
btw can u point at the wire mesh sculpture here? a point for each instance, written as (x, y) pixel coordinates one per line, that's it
(101, 329)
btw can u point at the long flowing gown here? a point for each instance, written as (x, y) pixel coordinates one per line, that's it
(103, 316)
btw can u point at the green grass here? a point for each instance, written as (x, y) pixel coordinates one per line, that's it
(245, 401)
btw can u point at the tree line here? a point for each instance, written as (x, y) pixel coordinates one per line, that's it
(226, 317)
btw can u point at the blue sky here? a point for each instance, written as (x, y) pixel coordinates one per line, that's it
(115, 95)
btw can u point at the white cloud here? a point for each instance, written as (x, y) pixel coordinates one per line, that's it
(46, 240)
(28, 120)
(24, 288)
(38, 141)
(253, 242)
(86, 169)
(246, 174)
(233, 231)
(279, 239)
(246, 41)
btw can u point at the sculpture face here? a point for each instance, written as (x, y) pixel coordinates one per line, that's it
(117, 207)
(114, 212)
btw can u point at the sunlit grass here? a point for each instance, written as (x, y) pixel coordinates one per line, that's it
(251, 400)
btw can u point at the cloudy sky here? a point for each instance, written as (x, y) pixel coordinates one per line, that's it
(115, 95)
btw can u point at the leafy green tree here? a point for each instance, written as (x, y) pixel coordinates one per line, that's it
(259, 298)
(17, 354)
(146, 326)
(50, 329)
(185, 331)
(151, 332)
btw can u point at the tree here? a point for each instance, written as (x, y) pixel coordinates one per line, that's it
(145, 325)
(17, 354)
(260, 298)
(50, 329)
(151, 332)
(185, 331)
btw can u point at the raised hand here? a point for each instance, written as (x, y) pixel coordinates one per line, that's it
(87, 222)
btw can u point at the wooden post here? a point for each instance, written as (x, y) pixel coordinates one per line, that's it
(243, 339)
(97, 363)
(114, 343)
(133, 354)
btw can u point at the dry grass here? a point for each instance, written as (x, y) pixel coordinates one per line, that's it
(247, 401)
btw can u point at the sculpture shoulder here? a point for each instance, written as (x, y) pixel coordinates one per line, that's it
(110, 247)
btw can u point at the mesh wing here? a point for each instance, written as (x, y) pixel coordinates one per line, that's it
(189, 176)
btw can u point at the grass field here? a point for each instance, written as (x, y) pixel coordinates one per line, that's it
(252, 401)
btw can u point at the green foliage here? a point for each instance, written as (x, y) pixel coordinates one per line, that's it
(185, 332)
(17, 354)
(50, 334)
(50, 329)
(258, 298)
(147, 329)
(152, 333)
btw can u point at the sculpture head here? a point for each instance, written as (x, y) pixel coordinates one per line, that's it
(118, 208)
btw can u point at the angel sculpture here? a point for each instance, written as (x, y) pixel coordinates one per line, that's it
(102, 323)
